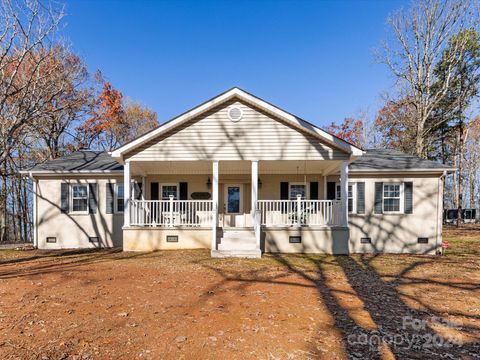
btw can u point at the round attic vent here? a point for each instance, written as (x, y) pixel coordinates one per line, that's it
(235, 113)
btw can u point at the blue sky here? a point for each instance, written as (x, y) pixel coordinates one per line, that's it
(312, 58)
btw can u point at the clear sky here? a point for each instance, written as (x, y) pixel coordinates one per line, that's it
(312, 58)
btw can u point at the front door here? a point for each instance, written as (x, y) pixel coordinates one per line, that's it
(233, 206)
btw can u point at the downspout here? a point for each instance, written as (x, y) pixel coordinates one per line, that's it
(439, 239)
(34, 210)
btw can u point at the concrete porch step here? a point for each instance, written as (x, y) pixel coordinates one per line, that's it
(226, 246)
(249, 254)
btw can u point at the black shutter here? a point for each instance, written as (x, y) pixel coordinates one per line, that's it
(284, 191)
(314, 190)
(92, 198)
(154, 191)
(378, 197)
(331, 190)
(408, 193)
(183, 191)
(109, 199)
(138, 190)
(64, 203)
(360, 198)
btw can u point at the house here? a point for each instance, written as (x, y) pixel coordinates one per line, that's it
(240, 176)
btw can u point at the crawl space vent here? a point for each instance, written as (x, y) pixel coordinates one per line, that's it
(235, 113)
(365, 240)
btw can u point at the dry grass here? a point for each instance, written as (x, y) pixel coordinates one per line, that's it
(183, 304)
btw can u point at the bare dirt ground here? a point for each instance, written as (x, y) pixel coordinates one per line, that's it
(183, 304)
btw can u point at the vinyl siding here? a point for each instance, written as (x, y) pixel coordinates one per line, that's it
(73, 230)
(257, 136)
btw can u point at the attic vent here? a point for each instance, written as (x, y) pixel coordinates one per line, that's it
(235, 113)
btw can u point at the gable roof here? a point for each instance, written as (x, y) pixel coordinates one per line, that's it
(384, 160)
(83, 161)
(240, 94)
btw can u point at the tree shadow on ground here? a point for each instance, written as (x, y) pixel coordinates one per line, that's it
(390, 327)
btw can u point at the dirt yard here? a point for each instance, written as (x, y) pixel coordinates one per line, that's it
(185, 305)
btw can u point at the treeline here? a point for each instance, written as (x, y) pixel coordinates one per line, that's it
(50, 105)
(433, 53)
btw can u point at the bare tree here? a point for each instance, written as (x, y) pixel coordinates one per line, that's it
(26, 28)
(420, 36)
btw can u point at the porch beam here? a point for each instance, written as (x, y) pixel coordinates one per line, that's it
(344, 192)
(330, 169)
(215, 203)
(126, 189)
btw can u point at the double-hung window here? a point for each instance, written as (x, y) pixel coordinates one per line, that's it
(79, 195)
(169, 189)
(350, 196)
(391, 198)
(297, 189)
(119, 198)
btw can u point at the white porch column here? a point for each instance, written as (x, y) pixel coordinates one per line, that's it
(344, 192)
(126, 193)
(215, 203)
(254, 199)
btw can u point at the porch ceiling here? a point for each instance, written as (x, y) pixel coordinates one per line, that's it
(323, 167)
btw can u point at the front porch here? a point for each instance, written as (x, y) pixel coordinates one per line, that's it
(235, 208)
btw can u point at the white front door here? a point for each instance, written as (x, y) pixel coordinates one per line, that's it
(233, 206)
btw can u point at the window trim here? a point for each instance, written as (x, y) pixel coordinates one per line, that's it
(354, 195)
(400, 198)
(115, 198)
(161, 185)
(307, 194)
(81, 212)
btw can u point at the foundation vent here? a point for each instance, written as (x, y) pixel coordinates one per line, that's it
(51, 240)
(295, 239)
(365, 240)
(422, 240)
(172, 238)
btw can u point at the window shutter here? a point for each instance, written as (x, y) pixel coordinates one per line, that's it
(331, 190)
(378, 197)
(92, 198)
(284, 191)
(408, 193)
(109, 198)
(183, 191)
(64, 203)
(314, 190)
(154, 191)
(360, 198)
(138, 190)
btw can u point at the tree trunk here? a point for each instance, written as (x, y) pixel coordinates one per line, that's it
(460, 170)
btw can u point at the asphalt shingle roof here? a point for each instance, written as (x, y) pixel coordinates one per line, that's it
(387, 159)
(83, 160)
(374, 159)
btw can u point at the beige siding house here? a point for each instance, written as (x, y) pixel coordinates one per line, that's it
(240, 176)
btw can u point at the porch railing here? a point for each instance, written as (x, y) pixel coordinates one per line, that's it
(168, 213)
(299, 212)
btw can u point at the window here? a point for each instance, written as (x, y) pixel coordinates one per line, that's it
(119, 198)
(391, 198)
(79, 198)
(169, 189)
(351, 195)
(297, 189)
